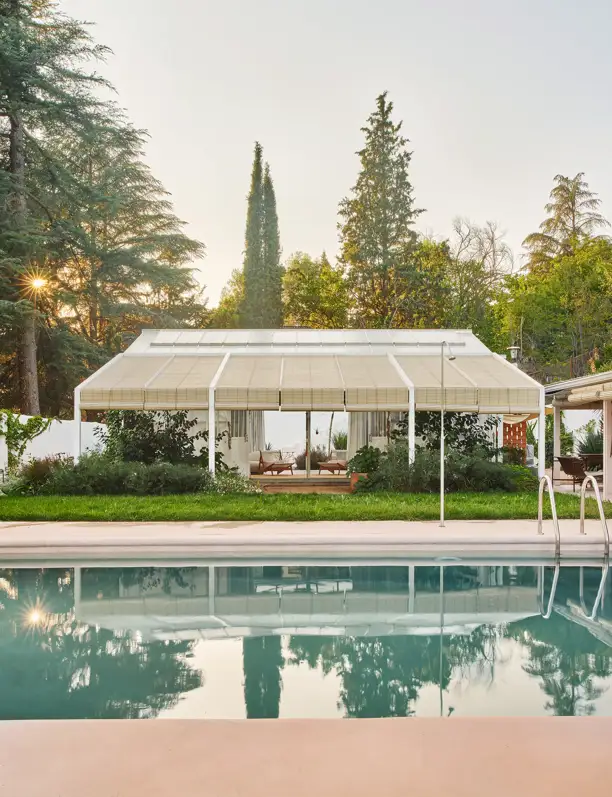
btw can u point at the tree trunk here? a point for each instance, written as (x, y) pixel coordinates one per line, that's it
(26, 348)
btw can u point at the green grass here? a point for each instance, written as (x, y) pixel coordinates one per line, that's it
(459, 506)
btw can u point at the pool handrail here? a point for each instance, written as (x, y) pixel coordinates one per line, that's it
(604, 575)
(553, 591)
(545, 481)
(589, 478)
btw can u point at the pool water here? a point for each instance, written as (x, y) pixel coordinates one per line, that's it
(303, 641)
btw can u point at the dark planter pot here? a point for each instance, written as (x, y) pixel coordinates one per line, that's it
(355, 477)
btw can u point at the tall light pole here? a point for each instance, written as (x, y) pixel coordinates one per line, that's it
(442, 398)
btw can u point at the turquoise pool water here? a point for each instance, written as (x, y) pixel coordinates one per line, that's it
(303, 641)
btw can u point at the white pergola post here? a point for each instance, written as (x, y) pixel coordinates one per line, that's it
(411, 406)
(212, 431)
(607, 449)
(212, 426)
(556, 442)
(77, 425)
(411, 420)
(542, 435)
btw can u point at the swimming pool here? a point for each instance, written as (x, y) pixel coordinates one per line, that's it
(310, 640)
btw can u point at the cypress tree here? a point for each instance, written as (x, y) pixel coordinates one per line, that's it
(253, 251)
(273, 273)
(262, 306)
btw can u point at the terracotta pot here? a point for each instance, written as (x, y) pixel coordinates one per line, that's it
(355, 478)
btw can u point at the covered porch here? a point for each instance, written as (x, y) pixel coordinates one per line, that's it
(302, 370)
(592, 392)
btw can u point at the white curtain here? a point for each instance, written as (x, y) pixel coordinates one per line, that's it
(256, 430)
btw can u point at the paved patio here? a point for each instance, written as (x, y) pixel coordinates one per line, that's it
(421, 757)
(323, 540)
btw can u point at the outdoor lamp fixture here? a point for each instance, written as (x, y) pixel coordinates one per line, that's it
(514, 353)
(450, 357)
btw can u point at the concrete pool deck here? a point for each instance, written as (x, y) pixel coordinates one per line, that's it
(278, 541)
(461, 757)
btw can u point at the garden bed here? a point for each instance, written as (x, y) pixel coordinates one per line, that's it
(207, 507)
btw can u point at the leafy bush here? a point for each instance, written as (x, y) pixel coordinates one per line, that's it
(463, 431)
(513, 455)
(366, 460)
(160, 436)
(340, 441)
(37, 472)
(590, 439)
(17, 434)
(97, 474)
(317, 454)
(475, 471)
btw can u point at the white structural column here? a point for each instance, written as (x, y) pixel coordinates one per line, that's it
(411, 405)
(212, 426)
(556, 442)
(212, 430)
(77, 424)
(607, 450)
(542, 435)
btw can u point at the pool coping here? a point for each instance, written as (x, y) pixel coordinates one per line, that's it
(463, 757)
(323, 540)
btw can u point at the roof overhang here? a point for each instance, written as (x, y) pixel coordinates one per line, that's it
(297, 370)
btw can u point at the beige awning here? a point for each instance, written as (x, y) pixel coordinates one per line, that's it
(147, 383)
(298, 381)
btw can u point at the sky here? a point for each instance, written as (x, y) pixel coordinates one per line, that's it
(497, 97)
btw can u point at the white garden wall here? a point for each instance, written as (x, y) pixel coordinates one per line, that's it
(59, 438)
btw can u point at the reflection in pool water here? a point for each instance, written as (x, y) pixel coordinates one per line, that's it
(353, 641)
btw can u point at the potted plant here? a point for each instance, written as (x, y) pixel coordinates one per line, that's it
(365, 461)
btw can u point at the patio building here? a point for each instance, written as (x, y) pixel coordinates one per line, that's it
(592, 392)
(362, 372)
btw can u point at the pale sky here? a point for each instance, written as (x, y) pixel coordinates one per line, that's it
(497, 97)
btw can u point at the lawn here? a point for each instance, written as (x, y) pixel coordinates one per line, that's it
(459, 506)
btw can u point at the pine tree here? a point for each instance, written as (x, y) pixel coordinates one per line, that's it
(273, 272)
(377, 230)
(253, 252)
(43, 86)
(79, 207)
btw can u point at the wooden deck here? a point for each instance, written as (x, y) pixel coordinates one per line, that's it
(300, 483)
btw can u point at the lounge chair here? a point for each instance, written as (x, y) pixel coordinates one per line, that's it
(273, 462)
(333, 466)
(574, 467)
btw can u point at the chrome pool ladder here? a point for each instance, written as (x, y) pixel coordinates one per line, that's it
(589, 478)
(545, 482)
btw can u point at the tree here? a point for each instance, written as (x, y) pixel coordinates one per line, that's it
(273, 272)
(315, 293)
(44, 87)
(97, 224)
(227, 314)
(561, 315)
(262, 659)
(377, 228)
(480, 261)
(573, 218)
(262, 305)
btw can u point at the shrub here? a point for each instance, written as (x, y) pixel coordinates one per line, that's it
(340, 441)
(37, 472)
(463, 472)
(463, 431)
(317, 454)
(97, 474)
(366, 460)
(159, 436)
